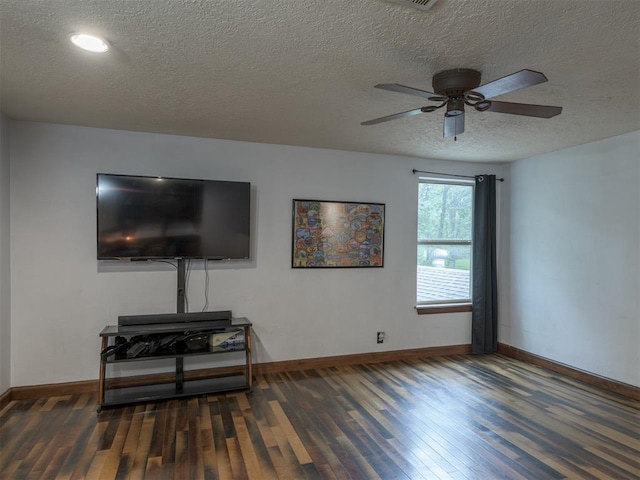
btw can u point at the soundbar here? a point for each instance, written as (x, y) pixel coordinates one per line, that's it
(222, 316)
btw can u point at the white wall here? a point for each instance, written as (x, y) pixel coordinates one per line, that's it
(5, 280)
(62, 297)
(575, 257)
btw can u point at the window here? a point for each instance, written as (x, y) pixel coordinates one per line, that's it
(445, 214)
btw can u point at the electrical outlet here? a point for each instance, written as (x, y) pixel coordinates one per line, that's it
(380, 337)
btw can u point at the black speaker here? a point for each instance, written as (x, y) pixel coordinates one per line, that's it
(223, 317)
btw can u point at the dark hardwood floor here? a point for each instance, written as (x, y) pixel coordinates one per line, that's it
(458, 417)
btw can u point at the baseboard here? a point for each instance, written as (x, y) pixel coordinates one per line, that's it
(89, 386)
(5, 398)
(53, 389)
(608, 384)
(360, 358)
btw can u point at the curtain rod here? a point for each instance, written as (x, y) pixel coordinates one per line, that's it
(450, 174)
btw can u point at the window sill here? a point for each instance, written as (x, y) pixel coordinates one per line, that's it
(443, 308)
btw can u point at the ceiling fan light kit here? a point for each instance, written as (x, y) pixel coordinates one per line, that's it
(455, 107)
(458, 87)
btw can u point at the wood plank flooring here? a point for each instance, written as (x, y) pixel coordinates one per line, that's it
(459, 417)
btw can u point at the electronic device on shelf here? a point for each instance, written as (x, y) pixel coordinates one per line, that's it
(220, 317)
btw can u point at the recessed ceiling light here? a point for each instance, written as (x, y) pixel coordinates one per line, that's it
(89, 42)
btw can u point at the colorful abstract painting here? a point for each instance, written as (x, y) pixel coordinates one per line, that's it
(337, 234)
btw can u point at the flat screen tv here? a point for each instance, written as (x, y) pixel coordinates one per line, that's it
(156, 217)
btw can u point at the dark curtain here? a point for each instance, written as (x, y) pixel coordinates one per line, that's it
(484, 320)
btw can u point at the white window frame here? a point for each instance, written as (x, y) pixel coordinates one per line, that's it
(453, 302)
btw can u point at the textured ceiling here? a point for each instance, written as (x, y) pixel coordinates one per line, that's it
(302, 72)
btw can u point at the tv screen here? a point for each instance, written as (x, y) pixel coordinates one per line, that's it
(156, 217)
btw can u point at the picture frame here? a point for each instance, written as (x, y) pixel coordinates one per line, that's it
(336, 234)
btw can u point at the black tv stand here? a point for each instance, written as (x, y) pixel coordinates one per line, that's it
(166, 340)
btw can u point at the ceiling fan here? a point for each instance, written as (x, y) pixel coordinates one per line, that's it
(461, 86)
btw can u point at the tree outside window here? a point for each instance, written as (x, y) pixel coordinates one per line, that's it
(445, 213)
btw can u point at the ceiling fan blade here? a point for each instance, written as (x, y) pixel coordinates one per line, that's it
(511, 83)
(396, 87)
(541, 111)
(453, 125)
(408, 113)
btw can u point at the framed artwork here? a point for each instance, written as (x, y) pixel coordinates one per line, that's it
(329, 234)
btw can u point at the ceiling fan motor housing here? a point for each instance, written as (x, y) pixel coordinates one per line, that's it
(454, 83)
